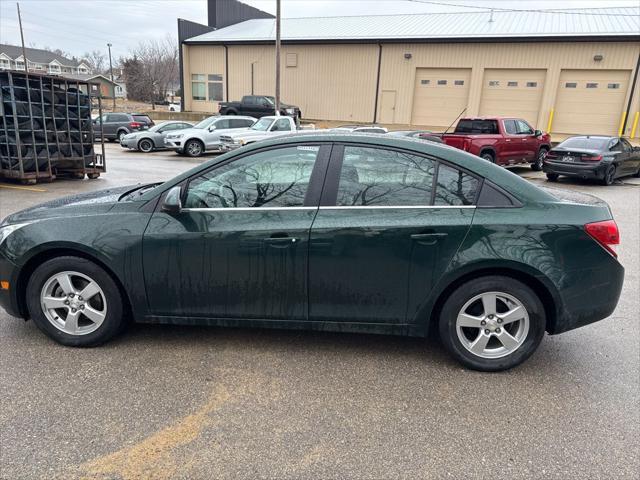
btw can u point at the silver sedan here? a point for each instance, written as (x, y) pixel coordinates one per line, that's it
(153, 139)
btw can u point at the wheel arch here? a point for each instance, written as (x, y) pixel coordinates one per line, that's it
(430, 313)
(488, 149)
(61, 251)
(153, 143)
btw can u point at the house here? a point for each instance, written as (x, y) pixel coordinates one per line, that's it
(108, 89)
(41, 61)
(567, 71)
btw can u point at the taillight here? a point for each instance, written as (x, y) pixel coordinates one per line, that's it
(135, 124)
(606, 233)
(595, 158)
(466, 144)
(551, 155)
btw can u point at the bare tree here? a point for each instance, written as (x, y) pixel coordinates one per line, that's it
(154, 67)
(97, 60)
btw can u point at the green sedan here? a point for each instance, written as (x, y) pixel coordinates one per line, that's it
(321, 231)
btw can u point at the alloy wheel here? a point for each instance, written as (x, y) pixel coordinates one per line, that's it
(492, 325)
(194, 149)
(73, 302)
(145, 146)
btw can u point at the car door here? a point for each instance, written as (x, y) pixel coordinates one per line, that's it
(250, 106)
(512, 150)
(160, 134)
(528, 140)
(388, 225)
(630, 162)
(239, 247)
(212, 137)
(110, 125)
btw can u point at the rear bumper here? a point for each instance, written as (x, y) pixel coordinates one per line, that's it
(591, 295)
(595, 171)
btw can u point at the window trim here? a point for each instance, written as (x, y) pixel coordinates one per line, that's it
(311, 199)
(332, 179)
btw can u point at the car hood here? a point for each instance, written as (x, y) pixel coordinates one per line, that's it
(81, 204)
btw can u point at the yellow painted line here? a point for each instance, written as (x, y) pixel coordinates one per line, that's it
(550, 120)
(624, 117)
(30, 189)
(635, 125)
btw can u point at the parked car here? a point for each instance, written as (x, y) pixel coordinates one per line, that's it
(597, 157)
(266, 127)
(153, 139)
(205, 135)
(117, 125)
(359, 129)
(348, 232)
(175, 107)
(418, 134)
(258, 106)
(503, 141)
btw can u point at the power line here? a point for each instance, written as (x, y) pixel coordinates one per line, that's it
(550, 11)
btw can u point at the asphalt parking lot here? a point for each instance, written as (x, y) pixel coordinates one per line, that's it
(197, 403)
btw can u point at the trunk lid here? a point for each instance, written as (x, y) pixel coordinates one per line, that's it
(574, 155)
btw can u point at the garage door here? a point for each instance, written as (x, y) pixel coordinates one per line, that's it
(512, 93)
(590, 101)
(440, 94)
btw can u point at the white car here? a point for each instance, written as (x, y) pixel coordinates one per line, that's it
(205, 136)
(174, 107)
(266, 127)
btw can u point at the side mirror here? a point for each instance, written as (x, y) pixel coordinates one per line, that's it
(212, 128)
(172, 203)
(537, 133)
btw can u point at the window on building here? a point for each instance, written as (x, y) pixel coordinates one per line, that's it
(215, 87)
(613, 85)
(442, 82)
(532, 84)
(459, 82)
(592, 85)
(512, 84)
(570, 85)
(494, 83)
(198, 86)
(425, 82)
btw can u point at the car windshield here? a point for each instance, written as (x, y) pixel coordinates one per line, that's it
(587, 143)
(262, 125)
(205, 123)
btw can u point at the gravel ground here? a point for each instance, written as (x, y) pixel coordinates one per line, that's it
(199, 403)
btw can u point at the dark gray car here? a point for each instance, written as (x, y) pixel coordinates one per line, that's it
(152, 139)
(117, 125)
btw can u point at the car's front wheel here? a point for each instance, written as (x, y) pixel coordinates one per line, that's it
(145, 145)
(492, 323)
(194, 148)
(75, 302)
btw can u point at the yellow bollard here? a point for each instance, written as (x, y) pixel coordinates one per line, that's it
(624, 117)
(550, 120)
(635, 125)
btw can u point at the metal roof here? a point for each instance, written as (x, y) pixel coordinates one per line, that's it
(590, 22)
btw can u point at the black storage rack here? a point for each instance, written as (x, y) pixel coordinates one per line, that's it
(46, 128)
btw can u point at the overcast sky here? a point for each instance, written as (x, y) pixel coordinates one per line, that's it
(77, 26)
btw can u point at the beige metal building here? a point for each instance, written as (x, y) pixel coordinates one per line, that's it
(568, 72)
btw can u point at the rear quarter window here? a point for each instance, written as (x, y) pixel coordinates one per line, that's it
(142, 118)
(489, 127)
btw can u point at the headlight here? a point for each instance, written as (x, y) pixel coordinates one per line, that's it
(240, 141)
(9, 229)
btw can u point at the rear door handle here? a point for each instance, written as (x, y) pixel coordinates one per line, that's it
(427, 238)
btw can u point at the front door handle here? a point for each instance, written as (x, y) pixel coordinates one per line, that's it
(281, 241)
(427, 238)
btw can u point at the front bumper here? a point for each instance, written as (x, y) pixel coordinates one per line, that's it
(594, 171)
(9, 297)
(129, 143)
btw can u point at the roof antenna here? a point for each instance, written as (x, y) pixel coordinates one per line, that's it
(491, 18)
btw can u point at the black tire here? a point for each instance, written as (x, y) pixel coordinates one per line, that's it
(536, 166)
(609, 175)
(193, 148)
(552, 177)
(114, 319)
(488, 156)
(145, 145)
(119, 135)
(469, 290)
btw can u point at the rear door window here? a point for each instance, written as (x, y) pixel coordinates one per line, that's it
(455, 187)
(223, 124)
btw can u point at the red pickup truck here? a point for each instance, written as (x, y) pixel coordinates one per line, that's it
(504, 141)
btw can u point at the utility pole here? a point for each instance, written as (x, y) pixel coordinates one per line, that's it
(24, 50)
(112, 82)
(277, 57)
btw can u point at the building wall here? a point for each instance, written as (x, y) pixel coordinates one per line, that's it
(338, 82)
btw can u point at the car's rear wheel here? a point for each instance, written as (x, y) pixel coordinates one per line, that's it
(75, 302)
(539, 162)
(194, 148)
(552, 177)
(488, 156)
(609, 175)
(145, 145)
(492, 323)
